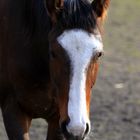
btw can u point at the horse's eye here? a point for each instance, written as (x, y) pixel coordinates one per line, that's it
(53, 54)
(100, 54)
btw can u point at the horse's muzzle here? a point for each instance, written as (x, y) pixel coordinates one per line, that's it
(70, 136)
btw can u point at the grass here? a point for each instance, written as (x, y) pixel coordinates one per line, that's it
(122, 33)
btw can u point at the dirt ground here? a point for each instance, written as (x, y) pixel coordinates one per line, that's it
(115, 106)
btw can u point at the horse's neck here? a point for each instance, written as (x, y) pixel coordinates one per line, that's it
(29, 14)
(28, 27)
(38, 17)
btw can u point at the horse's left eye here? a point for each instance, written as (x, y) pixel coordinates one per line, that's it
(100, 54)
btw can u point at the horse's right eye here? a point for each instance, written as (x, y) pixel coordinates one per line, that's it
(53, 55)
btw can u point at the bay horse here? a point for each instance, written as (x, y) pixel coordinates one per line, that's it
(49, 53)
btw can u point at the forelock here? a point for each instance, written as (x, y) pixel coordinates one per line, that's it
(78, 14)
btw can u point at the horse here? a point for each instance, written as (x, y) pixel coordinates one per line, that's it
(49, 52)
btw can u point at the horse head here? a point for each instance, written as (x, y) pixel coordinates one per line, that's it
(75, 46)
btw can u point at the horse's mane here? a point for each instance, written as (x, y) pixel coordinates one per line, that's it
(78, 14)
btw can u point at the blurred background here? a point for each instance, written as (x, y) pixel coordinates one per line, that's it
(115, 105)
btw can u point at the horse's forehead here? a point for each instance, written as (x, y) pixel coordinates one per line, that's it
(80, 45)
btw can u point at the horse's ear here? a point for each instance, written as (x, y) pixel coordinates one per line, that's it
(100, 7)
(53, 7)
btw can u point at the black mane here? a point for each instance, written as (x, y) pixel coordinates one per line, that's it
(78, 14)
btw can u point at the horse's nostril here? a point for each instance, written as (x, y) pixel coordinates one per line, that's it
(87, 129)
(64, 129)
(64, 124)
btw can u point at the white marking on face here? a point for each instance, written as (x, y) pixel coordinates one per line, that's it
(80, 46)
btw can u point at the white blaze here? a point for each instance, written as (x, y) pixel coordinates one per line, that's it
(80, 47)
